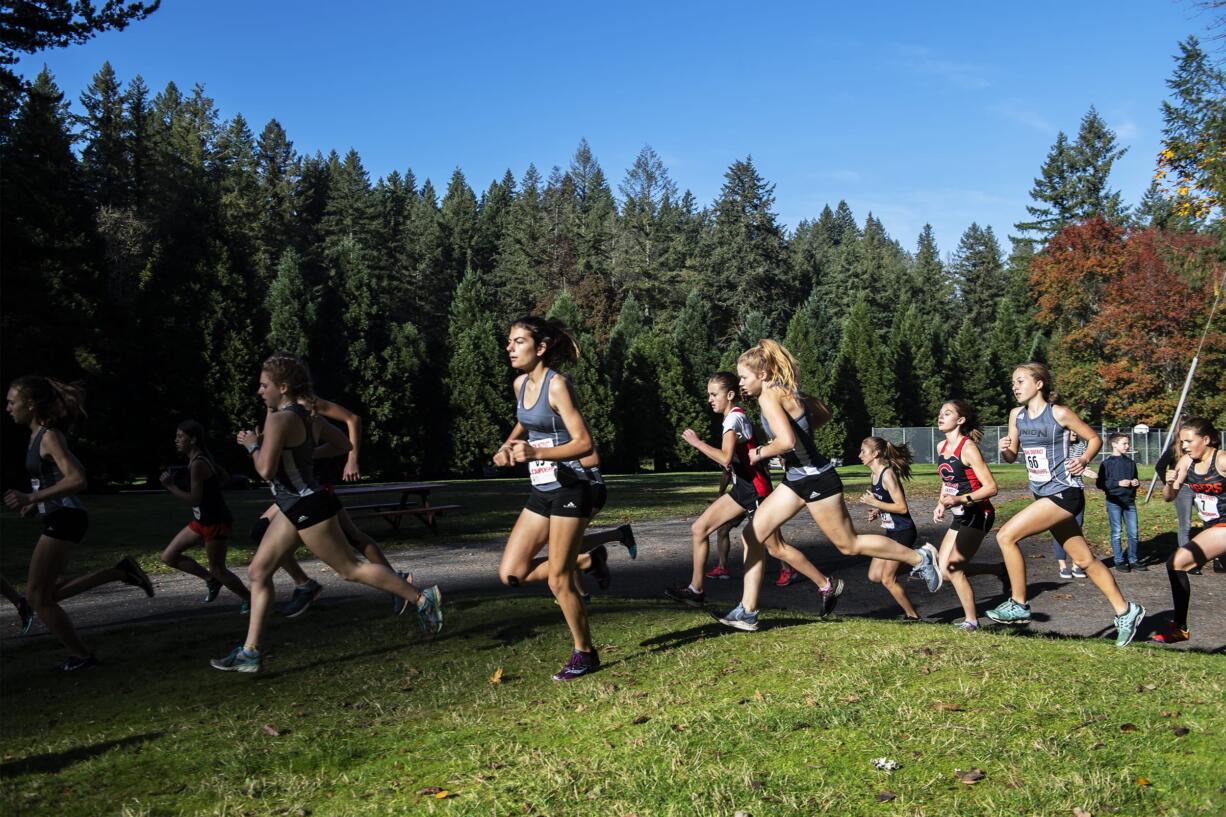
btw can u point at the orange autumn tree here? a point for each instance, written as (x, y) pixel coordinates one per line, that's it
(1125, 310)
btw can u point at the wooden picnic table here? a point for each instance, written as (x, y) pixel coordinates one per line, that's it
(392, 510)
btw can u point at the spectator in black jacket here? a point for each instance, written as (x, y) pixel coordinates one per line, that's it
(1119, 479)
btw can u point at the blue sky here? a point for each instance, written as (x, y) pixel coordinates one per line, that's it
(917, 112)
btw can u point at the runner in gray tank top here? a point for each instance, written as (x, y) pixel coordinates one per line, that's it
(1038, 432)
(48, 407)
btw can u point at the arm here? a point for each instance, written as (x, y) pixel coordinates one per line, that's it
(330, 442)
(562, 401)
(1173, 482)
(199, 472)
(502, 457)
(1100, 481)
(1067, 418)
(892, 484)
(1009, 444)
(972, 458)
(353, 424)
(74, 481)
(265, 449)
(721, 456)
(778, 419)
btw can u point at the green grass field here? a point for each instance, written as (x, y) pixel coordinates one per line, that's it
(355, 716)
(142, 524)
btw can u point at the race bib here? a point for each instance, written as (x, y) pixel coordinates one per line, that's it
(34, 486)
(887, 521)
(1036, 463)
(1206, 507)
(950, 490)
(542, 472)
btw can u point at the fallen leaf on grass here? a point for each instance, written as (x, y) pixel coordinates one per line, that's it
(756, 785)
(810, 701)
(496, 678)
(1146, 687)
(852, 698)
(640, 720)
(1098, 745)
(944, 707)
(885, 796)
(757, 696)
(271, 731)
(971, 776)
(1078, 811)
(1128, 727)
(1170, 714)
(925, 671)
(430, 791)
(678, 727)
(1180, 731)
(1141, 781)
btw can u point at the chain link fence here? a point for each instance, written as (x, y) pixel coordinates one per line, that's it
(923, 442)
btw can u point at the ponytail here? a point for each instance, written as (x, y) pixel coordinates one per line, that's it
(898, 457)
(771, 357)
(55, 404)
(560, 345)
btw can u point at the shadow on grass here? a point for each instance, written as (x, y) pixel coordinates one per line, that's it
(58, 761)
(712, 629)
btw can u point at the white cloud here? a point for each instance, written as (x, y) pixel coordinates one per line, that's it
(961, 74)
(1016, 112)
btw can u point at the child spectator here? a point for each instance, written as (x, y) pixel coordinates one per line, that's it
(1118, 478)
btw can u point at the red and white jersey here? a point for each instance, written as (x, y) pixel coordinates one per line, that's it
(737, 422)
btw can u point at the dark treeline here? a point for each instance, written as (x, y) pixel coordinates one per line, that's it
(159, 252)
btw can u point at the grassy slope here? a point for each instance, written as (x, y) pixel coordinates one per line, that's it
(685, 719)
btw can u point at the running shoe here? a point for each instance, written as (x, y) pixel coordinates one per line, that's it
(686, 595)
(740, 619)
(134, 575)
(1123, 567)
(1127, 623)
(1219, 565)
(1078, 573)
(625, 535)
(966, 626)
(829, 598)
(903, 618)
(244, 608)
(928, 569)
(430, 610)
(787, 576)
(26, 612)
(74, 663)
(302, 599)
(1010, 612)
(1065, 573)
(239, 660)
(1196, 571)
(719, 572)
(212, 591)
(600, 566)
(580, 664)
(398, 604)
(1170, 635)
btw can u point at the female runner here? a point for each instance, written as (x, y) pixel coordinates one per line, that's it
(888, 466)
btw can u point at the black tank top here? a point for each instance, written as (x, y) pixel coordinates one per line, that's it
(212, 509)
(889, 521)
(957, 479)
(295, 477)
(1209, 492)
(44, 473)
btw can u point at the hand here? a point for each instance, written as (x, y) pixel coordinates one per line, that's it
(167, 479)
(1075, 467)
(867, 498)
(1006, 443)
(502, 457)
(247, 438)
(28, 510)
(351, 473)
(690, 436)
(16, 499)
(520, 451)
(938, 513)
(948, 501)
(873, 513)
(754, 456)
(1136, 483)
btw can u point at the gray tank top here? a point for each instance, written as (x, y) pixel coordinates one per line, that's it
(44, 473)
(295, 477)
(804, 460)
(1044, 447)
(546, 430)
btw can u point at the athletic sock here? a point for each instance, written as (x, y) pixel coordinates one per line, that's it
(826, 587)
(1181, 594)
(693, 589)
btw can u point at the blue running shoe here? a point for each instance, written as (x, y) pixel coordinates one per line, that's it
(580, 664)
(26, 612)
(626, 536)
(213, 590)
(239, 660)
(1126, 624)
(73, 663)
(928, 569)
(1010, 612)
(740, 619)
(302, 599)
(430, 610)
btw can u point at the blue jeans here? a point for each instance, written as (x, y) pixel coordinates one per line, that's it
(1129, 514)
(1055, 546)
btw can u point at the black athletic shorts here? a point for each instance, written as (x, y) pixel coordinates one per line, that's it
(571, 502)
(313, 509)
(816, 486)
(975, 516)
(1072, 500)
(600, 495)
(746, 495)
(66, 524)
(903, 536)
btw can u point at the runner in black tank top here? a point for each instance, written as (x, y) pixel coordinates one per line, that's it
(1203, 469)
(967, 486)
(46, 406)
(284, 455)
(211, 523)
(888, 465)
(768, 372)
(1038, 432)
